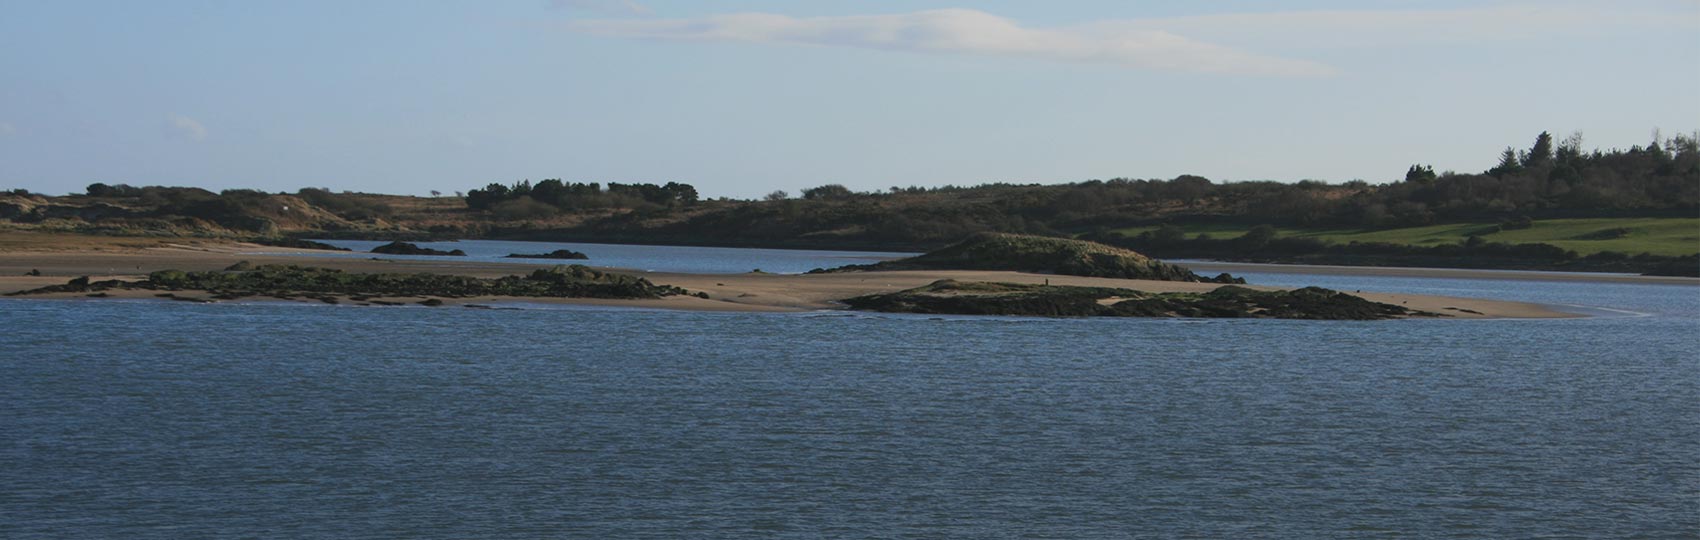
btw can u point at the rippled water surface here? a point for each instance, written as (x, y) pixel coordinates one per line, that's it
(169, 420)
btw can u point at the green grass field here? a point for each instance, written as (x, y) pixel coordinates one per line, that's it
(1659, 236)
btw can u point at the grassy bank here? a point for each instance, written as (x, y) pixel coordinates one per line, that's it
(1657, 236)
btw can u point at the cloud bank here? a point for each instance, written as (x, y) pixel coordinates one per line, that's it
(966, 31)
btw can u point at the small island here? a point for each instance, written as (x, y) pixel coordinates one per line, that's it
(290, 282)
(212, 271)
(404, 248)
(951, 297)
(1060, 256)
(557, 254)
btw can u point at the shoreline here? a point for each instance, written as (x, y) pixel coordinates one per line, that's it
(1207, 266)
(132, 259)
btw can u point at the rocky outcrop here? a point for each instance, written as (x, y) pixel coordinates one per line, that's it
(404, 248)
(557, 254)
(280, 281)
(297, 244)
(983, 298)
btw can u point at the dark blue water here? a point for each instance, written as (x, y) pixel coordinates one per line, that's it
(690, 259)
(171, 420)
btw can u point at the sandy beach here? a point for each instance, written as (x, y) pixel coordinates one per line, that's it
(62, 257)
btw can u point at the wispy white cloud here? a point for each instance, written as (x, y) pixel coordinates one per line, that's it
(631, 7)
(1357, 28)
(966, 31)
(1221, 43)
(183, 126)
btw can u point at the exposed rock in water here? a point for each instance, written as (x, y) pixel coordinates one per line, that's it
(557, 254)
(985, 298)
(1021, 253)
(298, 244)
(404, 248)
(575, 281)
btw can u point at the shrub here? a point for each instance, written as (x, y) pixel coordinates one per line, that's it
(521, 209)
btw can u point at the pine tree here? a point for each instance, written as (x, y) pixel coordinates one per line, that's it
(1539, 155)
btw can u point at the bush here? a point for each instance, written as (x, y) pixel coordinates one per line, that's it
(521, 209)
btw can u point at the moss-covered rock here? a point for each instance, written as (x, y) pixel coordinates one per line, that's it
(1023, 253)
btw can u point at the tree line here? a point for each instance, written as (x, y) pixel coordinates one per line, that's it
(550, 195)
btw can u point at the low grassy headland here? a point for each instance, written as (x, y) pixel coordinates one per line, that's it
(1652, 246)
(985, 298)
(1664, 236)
(404, 248)
(289, 281)
(1038, 254)
(564, 254)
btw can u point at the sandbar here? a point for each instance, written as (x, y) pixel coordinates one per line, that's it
(61, 257)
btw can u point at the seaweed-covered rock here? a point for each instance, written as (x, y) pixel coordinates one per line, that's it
(951, 297)
(557, 254)
(1023, 253)
(981, 298)
(281, 281)
(80, 284)
(297, 243)
(404, 248)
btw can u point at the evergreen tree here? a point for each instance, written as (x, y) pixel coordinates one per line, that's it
(1421, 174)
(1540, 154)
(1508, 163)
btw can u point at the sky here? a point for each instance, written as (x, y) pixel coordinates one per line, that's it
(741, 98)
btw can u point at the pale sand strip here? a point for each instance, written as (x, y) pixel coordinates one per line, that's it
(727, 292)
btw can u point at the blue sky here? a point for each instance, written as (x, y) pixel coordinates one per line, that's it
(745, 97)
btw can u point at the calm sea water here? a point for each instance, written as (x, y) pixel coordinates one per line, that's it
(168, 420)
(699, 260)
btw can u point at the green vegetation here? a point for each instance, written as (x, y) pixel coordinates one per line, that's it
(983, 298)
(990, 251)
(1265, 244)
(242, 280)
(1586, 236)
(1578, 204)
(547, 196)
